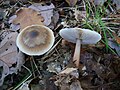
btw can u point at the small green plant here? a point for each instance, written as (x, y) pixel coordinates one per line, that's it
(94, 21)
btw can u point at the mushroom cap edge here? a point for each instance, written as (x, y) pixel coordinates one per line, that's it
(23, 49)
(72, 34)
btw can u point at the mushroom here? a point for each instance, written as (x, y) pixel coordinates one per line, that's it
(79, 36)
(35, 40)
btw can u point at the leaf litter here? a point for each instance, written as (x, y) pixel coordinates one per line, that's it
(10, 56)
(30, 16)
(47, 11)
(100, 69)
(42, 15)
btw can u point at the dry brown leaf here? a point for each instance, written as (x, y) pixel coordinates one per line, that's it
(3, 34)
(27, 17)
(9, 55)
(67, 76)
(8, 49)
(70, 71)
(19, 62)
(46, 11)
(71, 2)
(117, 39)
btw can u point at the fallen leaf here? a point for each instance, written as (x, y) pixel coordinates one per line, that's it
(71, 2)
(19, 62)
(12, 18)
(8, 49)
(10, 59)
(62, 79)
(14, 27)
(45, 11)
(54, 20)
(114, 45)
(65, 77)
(27, 17)
(117, 39)
(70, 71)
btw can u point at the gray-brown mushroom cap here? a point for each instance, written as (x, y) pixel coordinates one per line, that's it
(87, 36)
(35, 40)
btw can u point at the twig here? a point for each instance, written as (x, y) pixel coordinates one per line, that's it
(32, 68)
(111, 9)
(112, 23)
(105, 19)
(36, 65)
(113, 28)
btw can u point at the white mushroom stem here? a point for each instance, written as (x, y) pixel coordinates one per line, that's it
(76, 57)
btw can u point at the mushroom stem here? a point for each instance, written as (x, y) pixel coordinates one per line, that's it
(76, 57)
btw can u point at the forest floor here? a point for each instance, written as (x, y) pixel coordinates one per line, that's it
(99, 66)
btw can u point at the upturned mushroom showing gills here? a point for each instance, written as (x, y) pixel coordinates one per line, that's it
(79, 36)
(35, 40)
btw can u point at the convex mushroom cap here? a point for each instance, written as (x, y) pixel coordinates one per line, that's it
(35, 40)
(87, 36)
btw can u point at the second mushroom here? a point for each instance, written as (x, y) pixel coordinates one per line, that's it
(79, 36)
